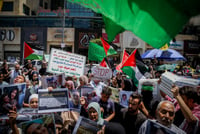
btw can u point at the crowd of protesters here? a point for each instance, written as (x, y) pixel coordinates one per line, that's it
(179, 115)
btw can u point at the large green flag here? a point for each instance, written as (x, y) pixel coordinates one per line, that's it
(154, 21)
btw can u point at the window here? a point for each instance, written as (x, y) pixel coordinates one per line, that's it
(45, 5)
(41, 3)
(7, 6)
(78, 10)
(33, 13)
(26, 9)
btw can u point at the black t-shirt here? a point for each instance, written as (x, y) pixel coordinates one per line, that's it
(132, 123)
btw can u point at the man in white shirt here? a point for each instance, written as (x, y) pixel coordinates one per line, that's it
(15, 73)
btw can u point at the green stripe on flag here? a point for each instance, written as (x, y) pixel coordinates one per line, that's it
(34, 57)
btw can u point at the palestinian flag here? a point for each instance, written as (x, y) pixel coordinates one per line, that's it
(32, 54)
(98, 53)
(109, 50)
(125, 57)
(133, 67)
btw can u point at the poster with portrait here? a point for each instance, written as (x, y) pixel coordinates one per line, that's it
(124, 97)
(11, 96)
(88, 92)
(115, 94)
(86, 126)
(45, 124)
(74, 102)
(55, 101)
(156, 128)
(54, 81)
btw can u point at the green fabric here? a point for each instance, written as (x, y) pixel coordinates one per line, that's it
(96, 52)
(149, 88)
(112, 29)
(96, 106)
(154, 21)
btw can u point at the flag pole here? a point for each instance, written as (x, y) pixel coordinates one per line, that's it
(63, 27)
(23, 54)
(108, 62)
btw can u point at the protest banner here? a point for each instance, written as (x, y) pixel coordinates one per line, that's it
(101, 73)
(124, 97)
(88, 92)
(45, 124)
(12, 96)
(86, 126)
(154, 127)
(54, 101)
(115, 94)
(64, 62)
(54, 81)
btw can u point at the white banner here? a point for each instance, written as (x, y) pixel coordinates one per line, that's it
(101, 72)
(64, 62)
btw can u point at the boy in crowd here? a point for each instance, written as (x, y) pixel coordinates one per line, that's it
(106, 104)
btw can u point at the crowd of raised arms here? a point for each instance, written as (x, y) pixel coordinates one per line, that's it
(139, 110)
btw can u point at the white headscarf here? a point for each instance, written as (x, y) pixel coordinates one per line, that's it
(31, 97)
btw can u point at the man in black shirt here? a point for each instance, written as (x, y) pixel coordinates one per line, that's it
(132, 117)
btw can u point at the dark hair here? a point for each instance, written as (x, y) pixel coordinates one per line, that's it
(34, 72)
(189, 92)
(128, 85)
(106, 90)
(136, 96)
(124, 95)
(14, 88)
(114, 128)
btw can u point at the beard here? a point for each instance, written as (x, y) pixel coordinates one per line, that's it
(130, 110)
